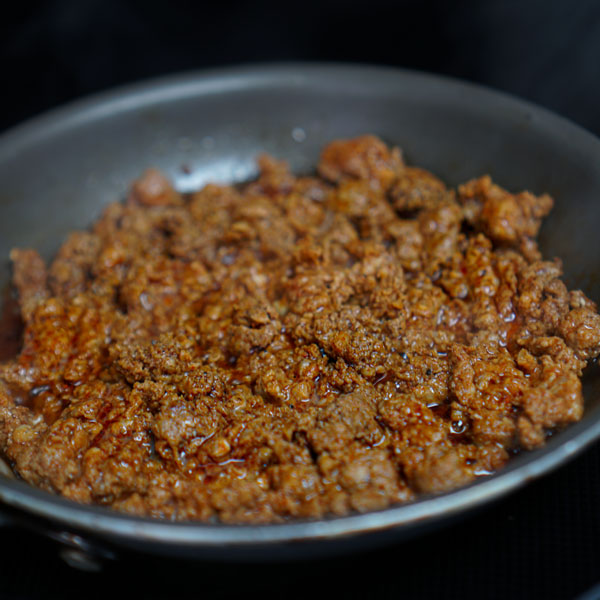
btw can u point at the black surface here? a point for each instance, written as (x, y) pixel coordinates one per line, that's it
(543, 50)
(542, 541)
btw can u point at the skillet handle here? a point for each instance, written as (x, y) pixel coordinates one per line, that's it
(5, 473)
(76, 551)
(5, 520)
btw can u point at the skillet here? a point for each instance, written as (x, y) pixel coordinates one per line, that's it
(58, 171)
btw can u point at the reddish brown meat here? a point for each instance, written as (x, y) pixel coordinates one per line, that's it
(295, 347)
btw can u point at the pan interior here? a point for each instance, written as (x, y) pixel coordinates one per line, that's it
(59, 171)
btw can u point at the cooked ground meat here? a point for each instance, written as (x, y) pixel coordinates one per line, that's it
(293, 347)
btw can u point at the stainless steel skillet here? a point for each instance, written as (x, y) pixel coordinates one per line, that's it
(57, 171)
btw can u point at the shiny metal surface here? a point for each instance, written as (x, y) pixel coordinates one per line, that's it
(57, 171)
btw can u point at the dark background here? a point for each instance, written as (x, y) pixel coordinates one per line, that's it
(542, 541)
(547, 51)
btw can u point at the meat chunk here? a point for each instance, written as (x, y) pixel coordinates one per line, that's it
(30, 278)
(504, 217)
(581, 330)
(71, 269)
(348, 418)
(154, 189)
(555, 401)
(365, 157)
(417, 189)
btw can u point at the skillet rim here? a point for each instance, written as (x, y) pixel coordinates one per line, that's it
(354, 78)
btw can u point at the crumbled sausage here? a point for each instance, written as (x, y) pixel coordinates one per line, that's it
(365, 158)
(294, 347)
(30, 278)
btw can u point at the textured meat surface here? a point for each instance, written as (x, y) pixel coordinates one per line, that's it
(295, 347)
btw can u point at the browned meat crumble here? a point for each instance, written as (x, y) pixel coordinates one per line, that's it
(296, 347)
